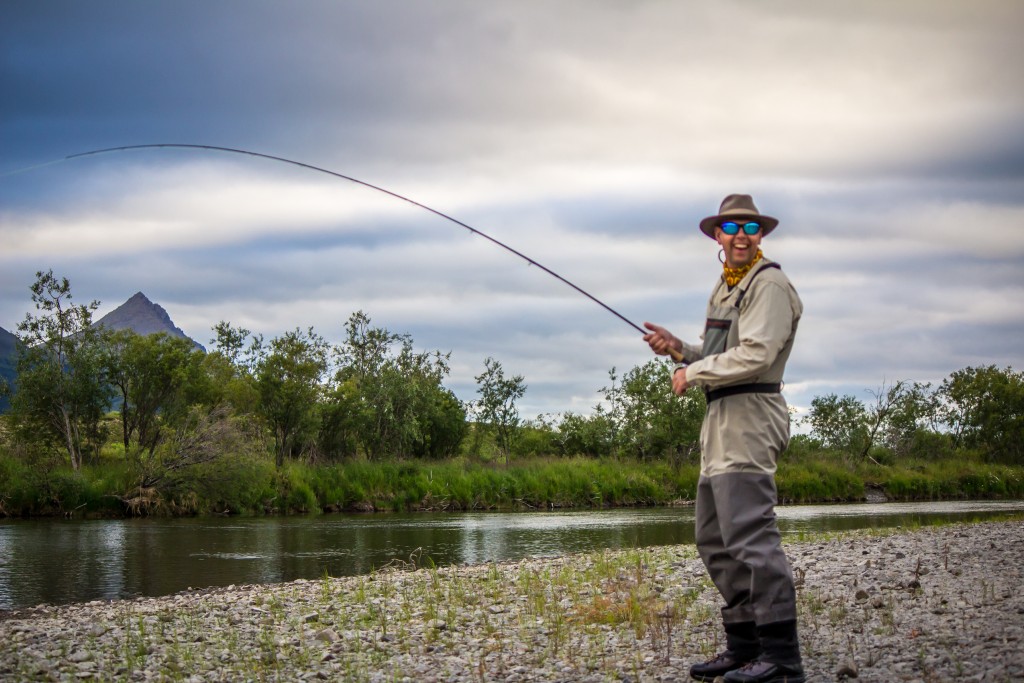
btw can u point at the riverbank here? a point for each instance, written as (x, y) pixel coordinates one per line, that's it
(934, 604)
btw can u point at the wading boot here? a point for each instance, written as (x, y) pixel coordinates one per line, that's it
(779, 661)
(742, 645)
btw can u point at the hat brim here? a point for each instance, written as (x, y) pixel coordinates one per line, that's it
(707, 226)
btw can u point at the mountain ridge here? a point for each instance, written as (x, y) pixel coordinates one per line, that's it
(8, 348)
(138, 314)
(143, 316)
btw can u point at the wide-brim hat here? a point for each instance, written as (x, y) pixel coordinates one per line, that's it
(737, 206)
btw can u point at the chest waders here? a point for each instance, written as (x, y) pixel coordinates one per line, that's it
(721, 332)
(736, 532)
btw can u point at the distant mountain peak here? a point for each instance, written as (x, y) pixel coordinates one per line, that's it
(142, 316)
(8, 355)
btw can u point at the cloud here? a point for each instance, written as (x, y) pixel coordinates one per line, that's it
(590, 136)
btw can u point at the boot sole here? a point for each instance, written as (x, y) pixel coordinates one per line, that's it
(710, 678)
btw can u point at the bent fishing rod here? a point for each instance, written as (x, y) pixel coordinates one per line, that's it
(214, 148)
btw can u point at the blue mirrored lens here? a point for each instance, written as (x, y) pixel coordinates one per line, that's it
(732, 228)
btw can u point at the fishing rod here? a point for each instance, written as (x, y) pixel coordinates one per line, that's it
(214, 148)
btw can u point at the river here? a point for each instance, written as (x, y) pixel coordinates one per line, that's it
(62, 561)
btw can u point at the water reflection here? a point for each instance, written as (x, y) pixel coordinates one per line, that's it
(67, 561)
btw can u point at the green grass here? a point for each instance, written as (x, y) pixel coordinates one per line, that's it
(252, 485)
(960, 478)
(809, 482)
(461, 485)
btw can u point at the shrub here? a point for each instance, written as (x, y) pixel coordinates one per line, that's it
(17, 492)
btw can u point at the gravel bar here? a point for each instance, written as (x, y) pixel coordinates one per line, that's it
(931, 604)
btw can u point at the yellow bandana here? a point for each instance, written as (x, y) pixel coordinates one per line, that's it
(734, 275)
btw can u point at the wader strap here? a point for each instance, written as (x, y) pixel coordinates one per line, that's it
(715, 394)
(743, 292)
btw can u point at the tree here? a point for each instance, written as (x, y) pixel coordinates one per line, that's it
(586, 435)
(201, 436)
(387, 399)
(154, 375)
(839, 424)
(597, 434)
(230, 368)
(230, 342)
(654, 421)
(443, 424)
(60, 395)
(899, 413)
(289, 378)
(984, 408)
(341, 418)
(496, 407)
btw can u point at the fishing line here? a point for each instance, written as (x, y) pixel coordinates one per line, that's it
(310, 167)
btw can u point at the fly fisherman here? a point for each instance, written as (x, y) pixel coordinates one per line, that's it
(751, 322)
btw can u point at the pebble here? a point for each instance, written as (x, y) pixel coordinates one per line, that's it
(847, 670)
(932, 604)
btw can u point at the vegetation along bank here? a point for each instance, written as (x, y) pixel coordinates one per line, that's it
(111, 422)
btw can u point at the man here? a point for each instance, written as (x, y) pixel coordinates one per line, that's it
(751, 322)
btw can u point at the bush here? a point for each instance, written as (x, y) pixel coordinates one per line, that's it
(294, 492)
(534, 441)
(17, 492)
(103, 486)
(63, 491)
(232, 484)
(926, 445)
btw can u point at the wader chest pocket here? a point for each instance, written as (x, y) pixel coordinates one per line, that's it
(716, 336)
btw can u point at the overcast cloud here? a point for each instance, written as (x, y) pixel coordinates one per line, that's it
(888, 138)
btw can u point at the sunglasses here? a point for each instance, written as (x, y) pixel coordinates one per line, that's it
(732, 228)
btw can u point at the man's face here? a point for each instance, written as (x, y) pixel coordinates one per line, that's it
(741, 248)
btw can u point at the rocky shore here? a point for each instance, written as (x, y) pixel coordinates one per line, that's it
(933, 604)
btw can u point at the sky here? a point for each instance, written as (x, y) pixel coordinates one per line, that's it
(592, 136)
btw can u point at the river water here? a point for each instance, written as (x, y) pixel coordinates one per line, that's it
(57, 561)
